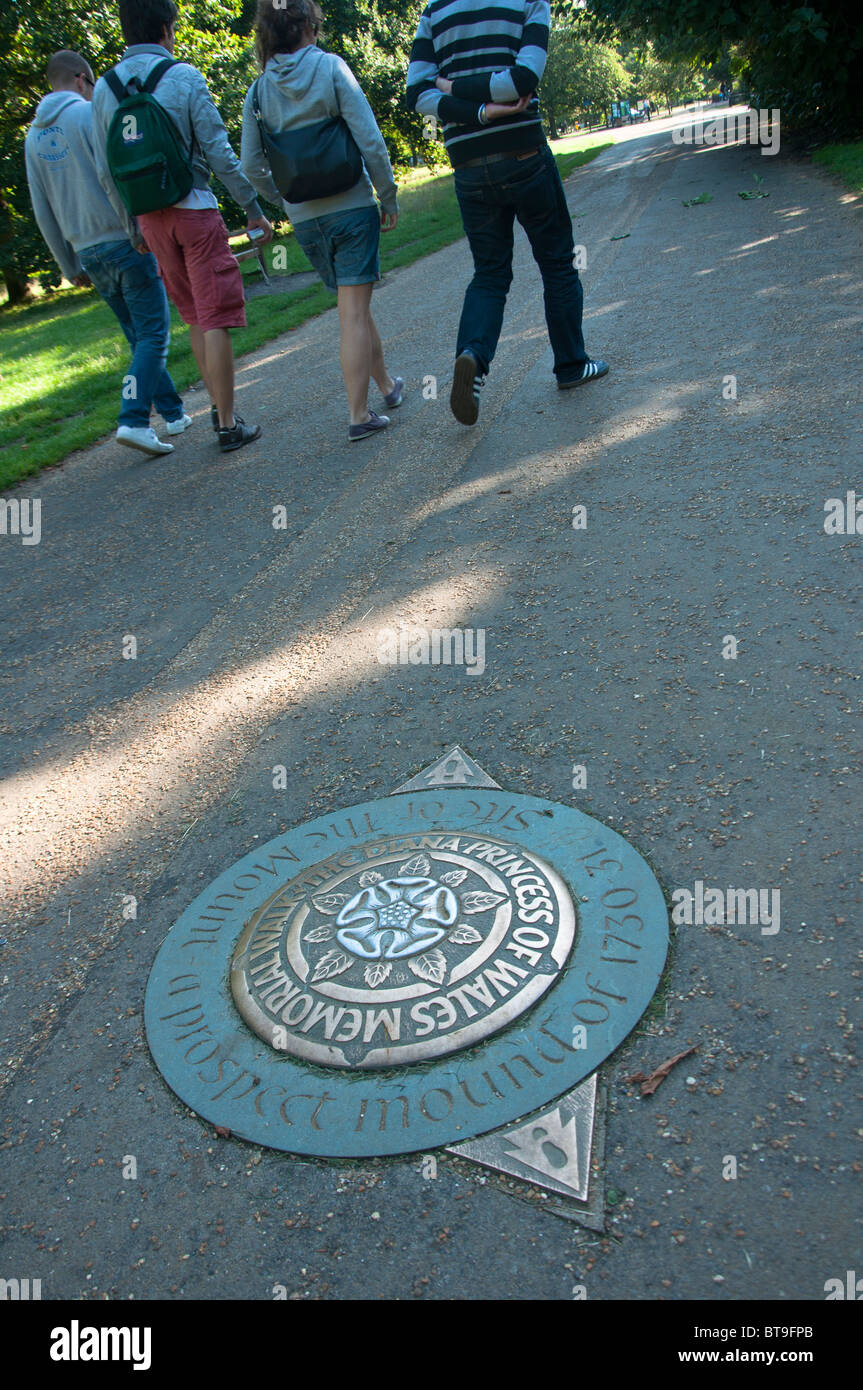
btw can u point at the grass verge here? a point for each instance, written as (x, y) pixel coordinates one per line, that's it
(846, 161)
(64, 356)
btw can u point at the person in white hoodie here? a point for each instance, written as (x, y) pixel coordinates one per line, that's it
(302, 86)
(89, 236)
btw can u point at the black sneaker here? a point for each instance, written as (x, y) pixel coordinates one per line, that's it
(214, 418)
(238, 436)
(466, 385)
(591, 371)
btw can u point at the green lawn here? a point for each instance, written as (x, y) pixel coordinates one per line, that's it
(846, 161)
(64, 357)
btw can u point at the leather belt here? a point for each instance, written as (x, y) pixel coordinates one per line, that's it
(504, 154)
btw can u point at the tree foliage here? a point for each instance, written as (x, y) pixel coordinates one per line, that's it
(670, 81)
(582, 77)
(803, 59)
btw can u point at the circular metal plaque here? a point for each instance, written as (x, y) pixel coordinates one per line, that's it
(402, 949)
(407, 973)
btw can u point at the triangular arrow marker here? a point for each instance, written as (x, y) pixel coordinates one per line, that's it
(552, 1150)
(455, 768)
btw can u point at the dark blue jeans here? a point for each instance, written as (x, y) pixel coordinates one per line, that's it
(129, 284)
(491, 195)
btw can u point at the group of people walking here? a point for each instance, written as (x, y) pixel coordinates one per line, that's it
(119, 171)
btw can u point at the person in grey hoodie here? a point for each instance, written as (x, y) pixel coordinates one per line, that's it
(189, 238)
(89, 235)
(300, 85)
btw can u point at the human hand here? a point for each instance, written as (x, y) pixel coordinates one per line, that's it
(81, 280)
(264, 225)
(388, 220)
(497, 110)
(142, 248)
(443, 85)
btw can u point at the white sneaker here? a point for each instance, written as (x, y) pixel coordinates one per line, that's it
(177, 426)
(144, 439)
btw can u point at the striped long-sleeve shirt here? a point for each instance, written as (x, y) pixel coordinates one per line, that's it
(490, 52)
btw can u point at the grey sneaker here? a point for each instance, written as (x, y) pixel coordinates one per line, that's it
(370, 426)
(397, 395)
(589, 372)
(466, 385)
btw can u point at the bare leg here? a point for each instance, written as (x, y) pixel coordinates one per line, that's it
(220, 369)
(355, 352)
(196, 338)
(378, 366)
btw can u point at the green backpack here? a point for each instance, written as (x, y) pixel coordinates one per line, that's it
(145, 149)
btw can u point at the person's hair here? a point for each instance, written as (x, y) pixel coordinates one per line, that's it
(280, 29)
(64, 67)
(142, 21)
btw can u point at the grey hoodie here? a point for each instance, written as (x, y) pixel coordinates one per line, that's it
(304, 88)
(184, 94)
(72, 208)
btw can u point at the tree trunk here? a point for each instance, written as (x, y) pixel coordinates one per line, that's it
(16, 285)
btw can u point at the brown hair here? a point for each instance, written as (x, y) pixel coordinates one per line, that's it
(279, 27)
(142, 21)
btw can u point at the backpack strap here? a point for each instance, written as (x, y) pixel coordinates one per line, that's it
(256, 107)
(115, 84)
(156, 74)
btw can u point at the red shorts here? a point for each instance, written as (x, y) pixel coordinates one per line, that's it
(195, 262)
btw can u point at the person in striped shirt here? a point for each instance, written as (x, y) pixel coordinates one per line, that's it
(475, 68)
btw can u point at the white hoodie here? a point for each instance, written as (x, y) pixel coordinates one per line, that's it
(72, 208)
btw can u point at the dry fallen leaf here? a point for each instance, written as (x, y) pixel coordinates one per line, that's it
(650, 1083)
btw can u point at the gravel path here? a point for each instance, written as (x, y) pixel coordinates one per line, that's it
(257, 646)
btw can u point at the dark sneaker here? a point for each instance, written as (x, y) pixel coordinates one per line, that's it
(397, 395)
(214, 418)
(238, 436)
(591, 371)
(370, 426)
(466, 385)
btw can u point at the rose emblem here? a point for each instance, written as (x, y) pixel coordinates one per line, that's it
(396, 917)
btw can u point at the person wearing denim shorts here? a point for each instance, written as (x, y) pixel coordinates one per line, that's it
(503, 170)
(299, 86)
(89, 237)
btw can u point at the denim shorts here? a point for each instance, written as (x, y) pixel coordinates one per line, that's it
(343, 247)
